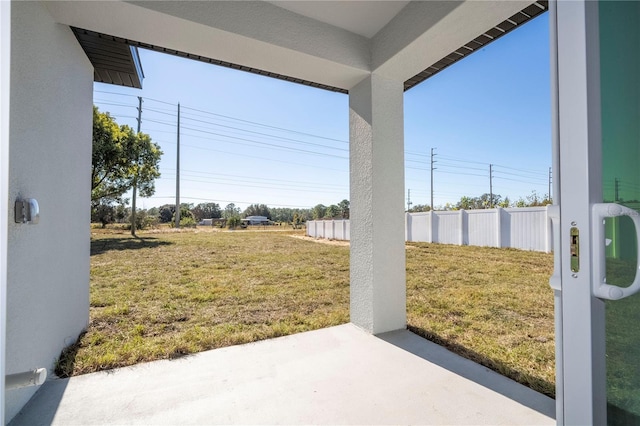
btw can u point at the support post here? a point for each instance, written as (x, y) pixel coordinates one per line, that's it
(376, 133)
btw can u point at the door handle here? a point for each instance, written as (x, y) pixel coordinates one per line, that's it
(600, 287)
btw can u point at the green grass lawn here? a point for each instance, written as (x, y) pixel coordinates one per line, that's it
(164, 295)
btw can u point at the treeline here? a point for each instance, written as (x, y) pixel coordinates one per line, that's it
(488, 201)
(191, 214)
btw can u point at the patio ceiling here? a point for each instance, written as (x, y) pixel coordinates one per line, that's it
(116, 63)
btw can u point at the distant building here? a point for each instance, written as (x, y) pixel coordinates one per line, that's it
(256, 220)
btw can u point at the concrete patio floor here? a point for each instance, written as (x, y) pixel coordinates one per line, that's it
(338, 375)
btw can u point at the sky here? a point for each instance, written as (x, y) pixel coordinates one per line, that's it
(248, 139)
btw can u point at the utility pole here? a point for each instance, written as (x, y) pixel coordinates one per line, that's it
(549, 193)
(409, 203)
(616, 190)
(135, 177)
(432, 169)
(178, 173)
(490, 186)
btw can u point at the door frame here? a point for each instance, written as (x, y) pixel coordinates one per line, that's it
(5, 82)
(581, 323)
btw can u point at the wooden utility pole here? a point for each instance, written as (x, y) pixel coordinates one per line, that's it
(178, 174)
(490, 186)
(135, 177)
(549, 193)
(432, 169)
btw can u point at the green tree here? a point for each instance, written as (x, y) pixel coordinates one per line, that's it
(119, 156)
(319, 211)
(104, 213)
(332, 211)
(165, 212)
(206, 211)
(485, 201)
(344, 207)
(257, 210)
(533, 200)
(230, 211)
(233, 222)
(186, 217)
(419, 208)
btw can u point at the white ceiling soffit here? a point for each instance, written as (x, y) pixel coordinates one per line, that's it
(325, 50)
(361, 17)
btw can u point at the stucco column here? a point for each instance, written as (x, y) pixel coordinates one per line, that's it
(376, 134)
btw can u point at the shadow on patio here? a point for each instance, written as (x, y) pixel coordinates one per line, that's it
(337, 375)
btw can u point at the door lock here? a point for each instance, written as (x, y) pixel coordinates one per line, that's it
(574, 245)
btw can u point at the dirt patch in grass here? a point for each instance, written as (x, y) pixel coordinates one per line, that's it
(340, 243)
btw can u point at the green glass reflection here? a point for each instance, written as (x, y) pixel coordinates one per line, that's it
(620, 101)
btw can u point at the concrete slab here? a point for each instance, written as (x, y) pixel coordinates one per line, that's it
(338, 375)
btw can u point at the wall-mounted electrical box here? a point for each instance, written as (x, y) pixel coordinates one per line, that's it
(27, 211)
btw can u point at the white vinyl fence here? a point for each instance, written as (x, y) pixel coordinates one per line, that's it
(526, 228)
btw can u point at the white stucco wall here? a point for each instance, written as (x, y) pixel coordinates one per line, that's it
(49, 160)
(376, 134)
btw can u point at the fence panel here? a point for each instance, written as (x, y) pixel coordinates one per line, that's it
(447, 227)
(523, 228)
(528, 229)
(482, 227)
(418, 227)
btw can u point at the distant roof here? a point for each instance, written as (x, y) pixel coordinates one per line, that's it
(116, 60)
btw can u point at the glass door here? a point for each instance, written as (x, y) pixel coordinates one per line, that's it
(619, 39)
(598, 152)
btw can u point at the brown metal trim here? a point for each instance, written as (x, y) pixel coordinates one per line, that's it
(479, 42)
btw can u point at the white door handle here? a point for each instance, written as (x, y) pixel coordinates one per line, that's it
(600, 287)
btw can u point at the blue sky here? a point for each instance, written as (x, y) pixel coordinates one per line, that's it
(248, 139)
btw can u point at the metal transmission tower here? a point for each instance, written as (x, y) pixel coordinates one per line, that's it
(432, 169)
(409, 203)
(135, 178)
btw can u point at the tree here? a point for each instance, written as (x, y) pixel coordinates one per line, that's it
(206, 211)
(186, 217)
(119, 157)
(485, 201)
(230, 211)
(319, 211)
(419, 208)
(257, 210)
(233, 222)
(344, 206)
(533, 200)
(332, 211)
(296, 221)
(103, 213)
(165, 212)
